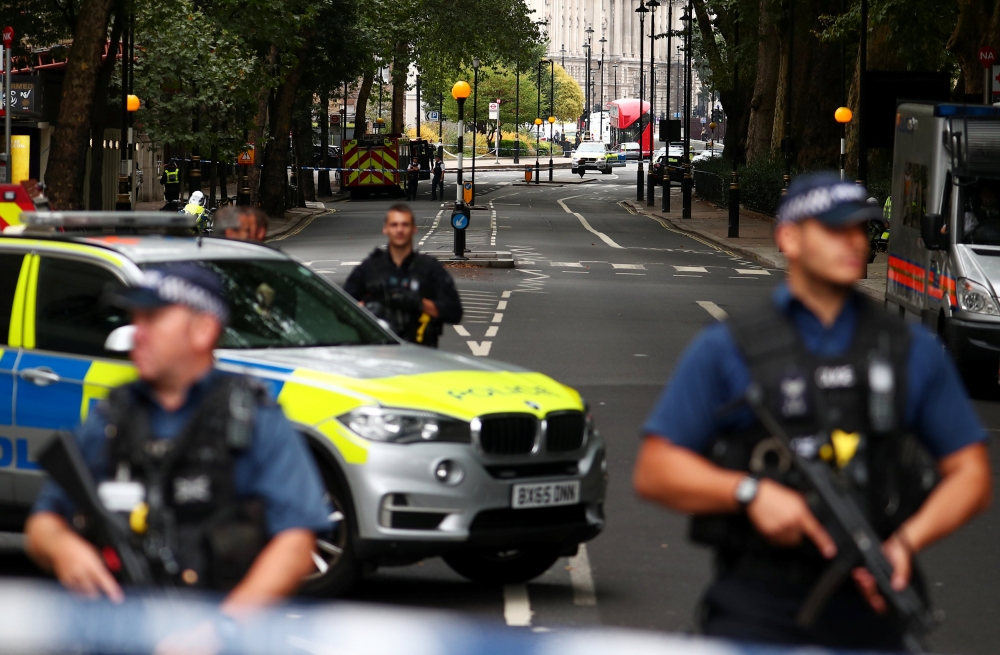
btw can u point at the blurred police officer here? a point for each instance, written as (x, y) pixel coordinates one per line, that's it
(412, 179)
(437, 179)
(410, 290)
(241, 223)
(811, 347)
(228, 484)
(171, 181)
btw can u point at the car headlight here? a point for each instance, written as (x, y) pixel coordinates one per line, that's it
(974, 297)
(404, 425)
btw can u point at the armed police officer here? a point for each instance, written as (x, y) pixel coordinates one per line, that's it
(410, 290)
(171, 181)
(852, 388)
(218, 488)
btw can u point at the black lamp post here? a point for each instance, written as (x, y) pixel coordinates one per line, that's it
(460, 92)
(688, 180)
(517, 114)
(600, 129)
(734, 183)
(642, 11)
(590, 99)
(665, 201)
(475, 121)
(538, 120)
(650, 187)
(552, 110)
(562, 51)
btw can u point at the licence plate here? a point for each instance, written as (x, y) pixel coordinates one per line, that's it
(545, 494)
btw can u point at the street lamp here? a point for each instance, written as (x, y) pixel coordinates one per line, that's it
(650, 187)
(517, 114)
(460, 92)
(688, 180)
(552, 109)
(538, 143)
(475, 121)
(562, 51)
(601, 128)
(642, 11)
(843, 115)
(590, 98)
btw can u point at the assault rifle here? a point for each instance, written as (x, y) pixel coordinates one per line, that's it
(61, 459)
(857, 542)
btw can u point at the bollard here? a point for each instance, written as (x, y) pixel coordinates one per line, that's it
(734, 207)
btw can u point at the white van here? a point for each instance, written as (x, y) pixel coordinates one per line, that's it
(944, 238)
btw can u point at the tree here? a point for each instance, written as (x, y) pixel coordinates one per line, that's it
(67, 158)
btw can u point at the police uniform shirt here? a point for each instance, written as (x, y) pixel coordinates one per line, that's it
(712, 372)
(438, 286)
(276, 468)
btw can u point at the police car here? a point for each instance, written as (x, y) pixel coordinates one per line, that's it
(423, 453)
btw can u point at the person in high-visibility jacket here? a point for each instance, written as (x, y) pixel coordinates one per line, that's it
(887, 210)
(171, 181)
(196, 206)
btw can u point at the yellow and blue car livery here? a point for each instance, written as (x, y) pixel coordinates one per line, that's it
(426, 451)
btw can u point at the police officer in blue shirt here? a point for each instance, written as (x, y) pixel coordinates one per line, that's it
(812, 349)
(207, 449)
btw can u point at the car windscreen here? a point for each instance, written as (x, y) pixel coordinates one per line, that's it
(590, 147)
(980, 211)
(282, 304)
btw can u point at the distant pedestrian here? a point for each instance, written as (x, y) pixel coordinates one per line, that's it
(412, 179)
(437, 180)
(171, 181)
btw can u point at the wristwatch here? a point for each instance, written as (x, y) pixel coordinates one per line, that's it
(746, 491)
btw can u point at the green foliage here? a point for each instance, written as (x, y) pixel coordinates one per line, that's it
(761, 182)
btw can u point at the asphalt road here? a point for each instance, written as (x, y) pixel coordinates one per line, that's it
(605, 301)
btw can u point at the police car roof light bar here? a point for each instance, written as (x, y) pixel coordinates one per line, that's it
(109, 219)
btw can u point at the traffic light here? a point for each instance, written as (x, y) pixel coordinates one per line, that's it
(716, 115)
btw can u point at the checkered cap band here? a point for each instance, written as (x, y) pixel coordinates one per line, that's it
(819, 200)
(176, 290)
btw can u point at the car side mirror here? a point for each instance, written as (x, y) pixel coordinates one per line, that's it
(121, 339)
(930, 231)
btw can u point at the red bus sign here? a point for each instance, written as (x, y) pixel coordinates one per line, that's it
(987, 56)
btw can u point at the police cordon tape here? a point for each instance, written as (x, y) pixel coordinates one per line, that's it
(37, 618)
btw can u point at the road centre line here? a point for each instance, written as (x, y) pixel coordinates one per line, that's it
(462, 332)
(497, 318)
(717, 312)
(506, 294)
(752, 271)
(566, 264)
(582, 578)
(492, 331)
(583, 221)
(502, 305)
(516, 605)
(690, 269)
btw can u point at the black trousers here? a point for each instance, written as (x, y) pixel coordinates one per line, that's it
(411, 189)
(437, 188)
(750, 609)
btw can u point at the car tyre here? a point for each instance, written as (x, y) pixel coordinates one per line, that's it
(503, 566)
(574, 170)
(337, 567)
(606, 171)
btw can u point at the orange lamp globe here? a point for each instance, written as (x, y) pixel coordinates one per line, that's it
(461, 90)
(552, 119)
(132, 103)
(843, 115)
(713, 125)
(538, 121)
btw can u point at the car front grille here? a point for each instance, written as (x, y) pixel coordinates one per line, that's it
(508, 434)
(564, 431)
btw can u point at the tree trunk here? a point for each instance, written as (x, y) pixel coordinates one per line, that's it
(256, 135)
(972, 31)
(98, 117)
(304, 148)
(324, 139)
(400, 67)
(361, 107)
(275, 176)
(765, 87)
(67, 163)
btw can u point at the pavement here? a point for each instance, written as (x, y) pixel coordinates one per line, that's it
(755, 238)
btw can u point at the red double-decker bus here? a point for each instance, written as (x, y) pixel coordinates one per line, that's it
(625, 124)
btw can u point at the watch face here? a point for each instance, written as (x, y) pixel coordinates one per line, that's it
(746, 490)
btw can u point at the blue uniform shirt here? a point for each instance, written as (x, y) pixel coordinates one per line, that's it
(712, 372)
(277, 467)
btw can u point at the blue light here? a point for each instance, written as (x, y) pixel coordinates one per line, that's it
(946, 111)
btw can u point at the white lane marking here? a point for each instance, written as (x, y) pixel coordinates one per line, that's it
(497, 318)
(350, 263)
(493, 224)
(629, 273)
(578, 272)
(480, 349)
(690, 269)
(502, 304)
(462, 332)
(686, 275)
(752, 271)
(505, 294)
(583, 221)
(633, 267)
(717, 312)
(437, 221)
(582, 578)
(492, 331)
(516, 605)
(566, 264)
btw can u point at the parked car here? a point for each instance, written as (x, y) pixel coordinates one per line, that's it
(630, 149)
(669, 157)
(705, 155)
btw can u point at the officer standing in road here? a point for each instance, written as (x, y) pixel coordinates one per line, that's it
(225, 484)
(171, 181)
(410, 290)
(242, 223)
(437, 179)
(851, 385)
(412, 179)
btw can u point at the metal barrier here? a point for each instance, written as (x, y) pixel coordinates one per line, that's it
(39, 618)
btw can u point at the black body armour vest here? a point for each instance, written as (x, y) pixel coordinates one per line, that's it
(847, 411)
(396, 298)
(197, 533)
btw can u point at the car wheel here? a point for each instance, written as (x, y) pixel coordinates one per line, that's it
(606, 171)
(574, 170)
(337, 567)
(505, 566)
